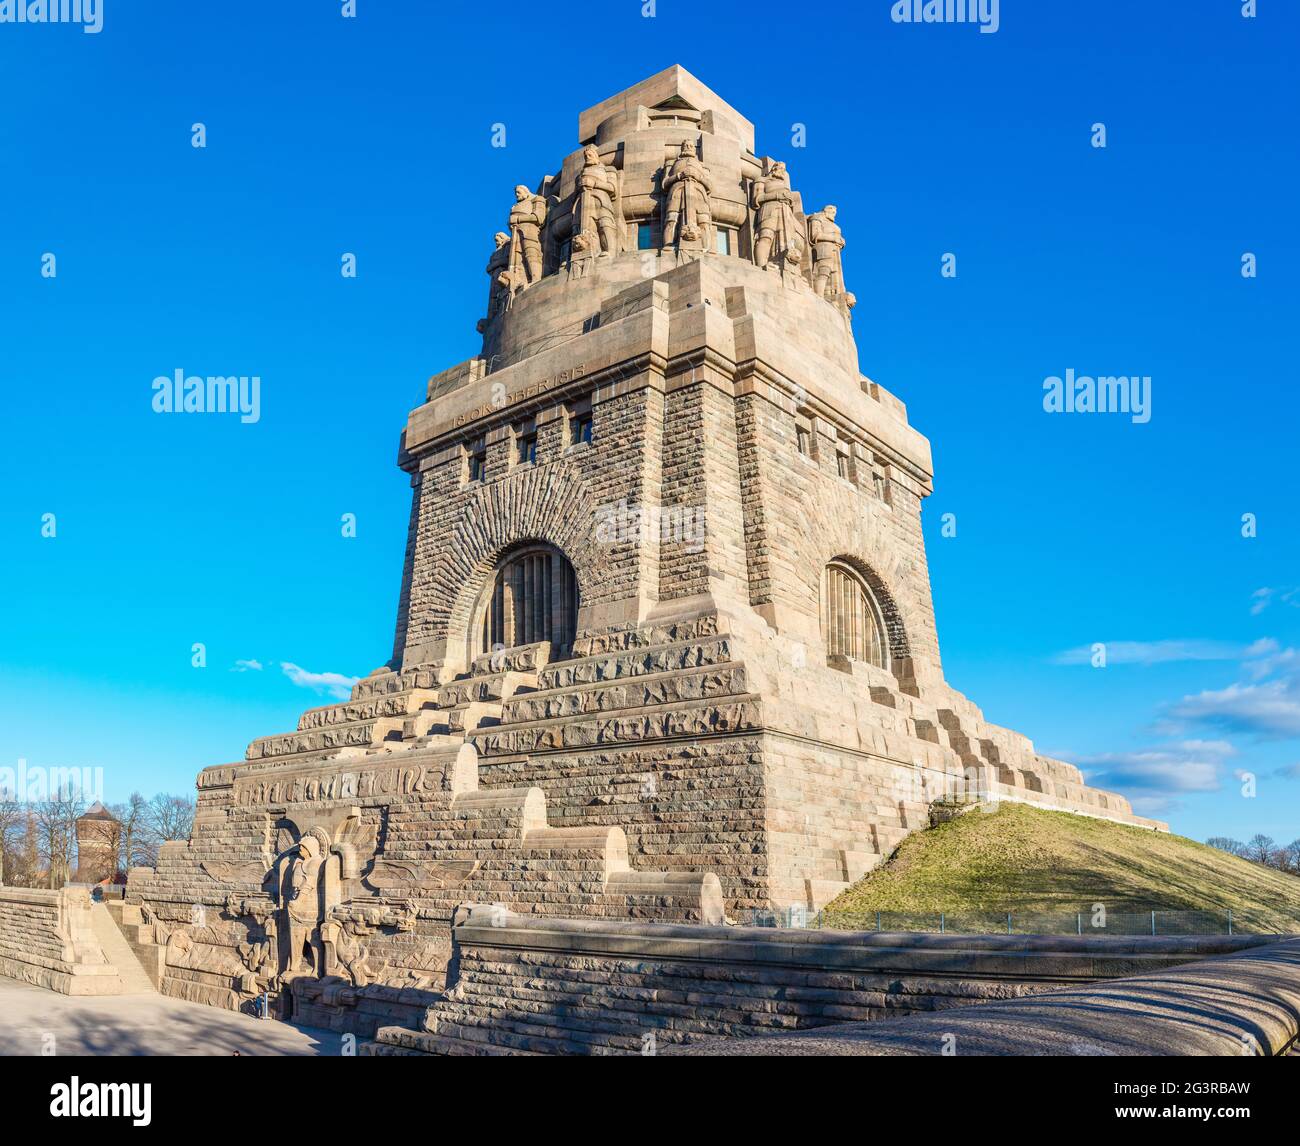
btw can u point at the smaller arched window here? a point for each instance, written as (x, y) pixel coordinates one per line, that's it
(532, 596)
(851, 619)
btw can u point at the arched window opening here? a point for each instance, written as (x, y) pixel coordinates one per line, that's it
(851, 619)
(533, 596)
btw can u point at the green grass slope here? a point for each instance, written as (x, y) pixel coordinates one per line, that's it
(1023, 859)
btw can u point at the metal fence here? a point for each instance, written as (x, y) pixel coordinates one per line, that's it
(1092, 922)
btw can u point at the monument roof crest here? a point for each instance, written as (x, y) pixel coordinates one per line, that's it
(674, 87)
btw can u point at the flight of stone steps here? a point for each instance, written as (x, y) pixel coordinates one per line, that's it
(457, 841)
(986, 760)
(400, 711)
(631, 688)
(516, 701)
(120, 953)
(138, 935)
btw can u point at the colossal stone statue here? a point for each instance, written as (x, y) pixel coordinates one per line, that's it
(778, 228)
(498, 271)
(596, 225)
(526, 219)
(688, 220)
(827, 243)
(302, 907)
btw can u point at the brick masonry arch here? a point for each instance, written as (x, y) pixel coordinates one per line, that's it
(539, 507)
(890, 613)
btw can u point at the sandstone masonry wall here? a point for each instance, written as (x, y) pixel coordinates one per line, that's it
(47, 938)
(575, 987)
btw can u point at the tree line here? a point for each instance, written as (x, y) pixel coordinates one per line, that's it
(38, 838)
(1262, 849)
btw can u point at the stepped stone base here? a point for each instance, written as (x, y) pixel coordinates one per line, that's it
(664, 772)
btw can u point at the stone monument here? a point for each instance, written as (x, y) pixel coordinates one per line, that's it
(665, 647)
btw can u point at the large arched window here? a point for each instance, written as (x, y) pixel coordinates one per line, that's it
(851, 619)
(533, 596)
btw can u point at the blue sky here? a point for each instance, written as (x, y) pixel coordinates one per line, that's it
(372, 135)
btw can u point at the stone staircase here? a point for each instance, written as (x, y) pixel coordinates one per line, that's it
(139, 937)
(986, 760)
(517, 701)
(395, 712)
(120, 953)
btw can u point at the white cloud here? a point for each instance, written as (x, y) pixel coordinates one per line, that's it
(1263, 598)
(1153, 779)
(1154, 805)
(247, 666)
(1270, 709)
(1154, 652)
(1207, 747)
(330, 683)
(1155, 771)
(1266, 657)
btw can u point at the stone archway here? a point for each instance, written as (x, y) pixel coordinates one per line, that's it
(531, 595)
(860, 618)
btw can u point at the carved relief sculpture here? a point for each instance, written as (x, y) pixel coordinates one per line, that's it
(779, 234)
(302, 908)
(354, 958)
(688, 220)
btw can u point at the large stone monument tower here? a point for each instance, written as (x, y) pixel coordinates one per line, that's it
(665, 645)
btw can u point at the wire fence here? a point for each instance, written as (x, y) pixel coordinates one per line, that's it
(1096, 921)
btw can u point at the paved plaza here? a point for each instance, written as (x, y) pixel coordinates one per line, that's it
(144, 1024)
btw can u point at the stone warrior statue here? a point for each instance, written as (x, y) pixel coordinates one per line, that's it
(498, 272)
(596, 227)
(301, 900)
(778, 229)
(526, 219)
(688, 220)
(827, 243)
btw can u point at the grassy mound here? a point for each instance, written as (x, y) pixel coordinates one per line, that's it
(1023, 859)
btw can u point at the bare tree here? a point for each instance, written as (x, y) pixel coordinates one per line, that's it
(25, 859)
(166, 818)
(134, 818)
(1288, 857)
(1261, 849)
(12, 819)
(56, 827)
(1228, 844)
